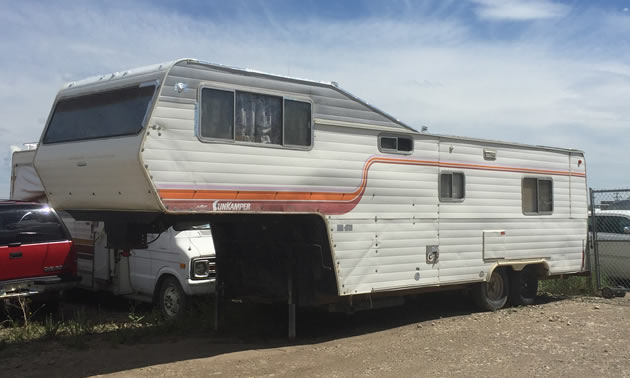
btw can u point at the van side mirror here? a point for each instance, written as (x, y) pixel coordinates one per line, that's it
(626, 230)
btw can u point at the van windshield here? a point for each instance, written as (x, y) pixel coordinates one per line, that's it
(99, 115)
(191, 225)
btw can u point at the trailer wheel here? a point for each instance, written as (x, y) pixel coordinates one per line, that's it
(172, 300)
(523, 287)
(493, 294)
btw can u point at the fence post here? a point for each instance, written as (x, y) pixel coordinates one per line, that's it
(594, 237)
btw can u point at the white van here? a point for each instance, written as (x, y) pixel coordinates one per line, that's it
(177, 264)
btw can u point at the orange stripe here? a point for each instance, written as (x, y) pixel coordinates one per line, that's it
(176, 193)
(256, 195)
(292, 196)
(338, 196)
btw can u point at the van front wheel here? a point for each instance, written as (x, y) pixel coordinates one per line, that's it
(172, 300)
(493, 294)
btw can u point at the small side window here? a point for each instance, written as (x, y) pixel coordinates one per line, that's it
(388, 143)
(297, 123)
(217, 114)
(452, 186)
(537, 196)
(395, 144)
(405, 144)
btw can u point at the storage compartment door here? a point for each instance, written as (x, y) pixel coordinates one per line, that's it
(494, 244)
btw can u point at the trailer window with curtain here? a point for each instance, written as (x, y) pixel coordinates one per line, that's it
(537, 196)
(100, 115)
(258, 118)
(254, 118)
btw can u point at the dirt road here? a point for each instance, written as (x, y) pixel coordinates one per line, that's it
(433, 336)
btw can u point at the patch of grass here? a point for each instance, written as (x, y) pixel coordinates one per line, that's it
(567, 286)
(81, 327)
(19, 323)
(51, 327)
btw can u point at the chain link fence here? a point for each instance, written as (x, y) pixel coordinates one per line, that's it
(609, 232)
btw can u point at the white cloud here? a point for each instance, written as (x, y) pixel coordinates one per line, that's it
(540, 88)
(519, 10)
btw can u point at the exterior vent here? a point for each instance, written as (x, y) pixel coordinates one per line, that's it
(490, 155)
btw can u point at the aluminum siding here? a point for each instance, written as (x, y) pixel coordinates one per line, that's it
(381, 243)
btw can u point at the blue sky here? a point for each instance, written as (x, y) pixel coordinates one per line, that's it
(540, 71)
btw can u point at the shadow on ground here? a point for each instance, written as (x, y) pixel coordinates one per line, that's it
(243, 327)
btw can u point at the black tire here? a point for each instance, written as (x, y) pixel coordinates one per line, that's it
(172, 300)
(492, 295)
(608, 293)
(523, 287)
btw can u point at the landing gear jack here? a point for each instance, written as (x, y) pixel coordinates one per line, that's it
(291, 301)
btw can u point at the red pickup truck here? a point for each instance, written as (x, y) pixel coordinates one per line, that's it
(36, 252)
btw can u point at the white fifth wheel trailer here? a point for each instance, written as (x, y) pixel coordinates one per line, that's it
(177, 264)
(315, 197)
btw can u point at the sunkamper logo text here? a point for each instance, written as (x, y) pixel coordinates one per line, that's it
(230, 206)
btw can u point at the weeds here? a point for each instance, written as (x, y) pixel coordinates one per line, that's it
(51, 327)
(22, 326)
(22, 329)
(80, 325)
(568, 286)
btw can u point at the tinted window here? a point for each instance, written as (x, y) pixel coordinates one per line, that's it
(258, 118)
(297, 123)
(28, 225)
(395, 144)
(537, 196)
(217, 114)
(405, 144)
(545, 199)
(388, 143)
(99, 115)
(191, 225)
(452, 186)
(530, 195)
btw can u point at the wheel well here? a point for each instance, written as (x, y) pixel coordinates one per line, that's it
(158, 284)
(540, 267)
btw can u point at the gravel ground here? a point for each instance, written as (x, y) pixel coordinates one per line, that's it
(438, 335)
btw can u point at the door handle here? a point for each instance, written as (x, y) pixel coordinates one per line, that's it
(15, 255)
